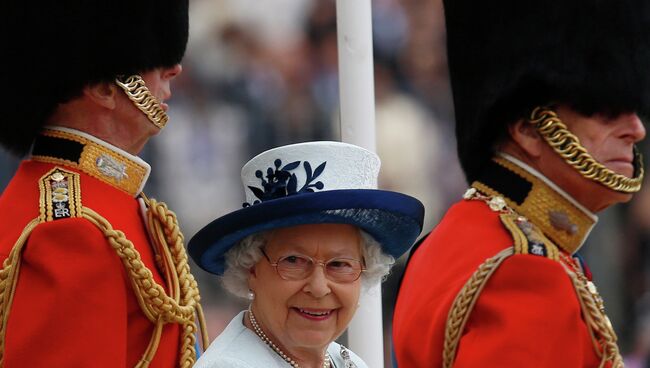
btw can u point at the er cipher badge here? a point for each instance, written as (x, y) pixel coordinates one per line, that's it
(60, 197)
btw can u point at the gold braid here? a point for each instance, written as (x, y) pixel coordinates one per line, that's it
(8, 279)
(464, 303)
(181, 307)
(568, 146)
(159, 307)
(600, 328)
(162, 221)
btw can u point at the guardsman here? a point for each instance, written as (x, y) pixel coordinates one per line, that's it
(548, 96)
(94, 274)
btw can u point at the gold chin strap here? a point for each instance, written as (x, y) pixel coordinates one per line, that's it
(137, 91)
(568, 146)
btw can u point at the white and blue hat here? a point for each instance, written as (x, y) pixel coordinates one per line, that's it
(312, 183)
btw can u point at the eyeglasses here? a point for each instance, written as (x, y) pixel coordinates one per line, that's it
(298, 267)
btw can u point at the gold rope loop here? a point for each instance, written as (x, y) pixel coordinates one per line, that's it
(8, 280)
(150, 352)
(137, 91)
(568, 146)
(182, 305)
(169, 240)
(158, 302)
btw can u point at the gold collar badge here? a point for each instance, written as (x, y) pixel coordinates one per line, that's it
(90, 155)
(560, 219)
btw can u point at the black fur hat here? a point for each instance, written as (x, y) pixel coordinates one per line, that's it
(52, 49)
(508, 56)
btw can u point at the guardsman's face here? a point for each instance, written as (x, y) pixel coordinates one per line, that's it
(158, 82)
(608, 139)
(137, 125)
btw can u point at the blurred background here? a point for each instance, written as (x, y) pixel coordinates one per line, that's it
(259, 74)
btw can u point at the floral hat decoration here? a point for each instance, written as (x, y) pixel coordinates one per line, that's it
(312, 183)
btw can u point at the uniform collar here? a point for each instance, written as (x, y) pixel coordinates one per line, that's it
(97, 158)
(565, 221)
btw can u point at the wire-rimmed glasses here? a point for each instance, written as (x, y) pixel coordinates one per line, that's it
(299, 266)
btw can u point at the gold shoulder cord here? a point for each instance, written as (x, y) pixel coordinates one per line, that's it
(600, 328)
(568, 146)
(601, 331)
(8, 279)
(180, 306)
(464, 303)
(183, 302)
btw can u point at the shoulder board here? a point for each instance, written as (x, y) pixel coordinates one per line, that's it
(528, 238)
(60, 196)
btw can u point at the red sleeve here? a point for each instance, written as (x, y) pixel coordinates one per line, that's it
(69, 307)
(528, 315)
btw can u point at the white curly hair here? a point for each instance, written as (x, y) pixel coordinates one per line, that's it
(244, 255)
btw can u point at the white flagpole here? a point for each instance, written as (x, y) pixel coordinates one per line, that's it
(357, 101)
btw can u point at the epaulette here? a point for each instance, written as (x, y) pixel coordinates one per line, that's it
(60, 195)
(528, 238)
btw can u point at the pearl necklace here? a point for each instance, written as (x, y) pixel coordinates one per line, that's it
(262, 335)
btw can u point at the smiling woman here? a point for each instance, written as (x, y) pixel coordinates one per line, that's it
(302, 249)
(239, 260)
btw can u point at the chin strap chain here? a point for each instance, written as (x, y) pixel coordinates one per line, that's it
(136, 90)
(180, 306)
(568, 146)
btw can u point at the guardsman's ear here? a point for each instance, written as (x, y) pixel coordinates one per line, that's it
(103, 94)
(524, 135)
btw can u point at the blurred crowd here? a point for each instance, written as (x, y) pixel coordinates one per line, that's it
(259, 74)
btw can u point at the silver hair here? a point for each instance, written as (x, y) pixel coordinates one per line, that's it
(243, 256)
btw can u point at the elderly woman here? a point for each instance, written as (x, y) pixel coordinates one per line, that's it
(312, 234)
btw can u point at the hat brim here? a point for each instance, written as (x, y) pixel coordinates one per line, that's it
(392, 219)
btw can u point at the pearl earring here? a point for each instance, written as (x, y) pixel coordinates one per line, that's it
(251, 295)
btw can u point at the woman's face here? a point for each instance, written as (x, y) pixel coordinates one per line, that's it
(308, 314)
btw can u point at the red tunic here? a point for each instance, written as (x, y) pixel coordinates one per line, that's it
(74, 305)
(528, 314)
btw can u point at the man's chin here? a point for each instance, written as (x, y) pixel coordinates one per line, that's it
(622, 168)
(610, 197)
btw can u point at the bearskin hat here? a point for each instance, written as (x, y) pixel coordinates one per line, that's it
(53, 49)
(508, 56)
